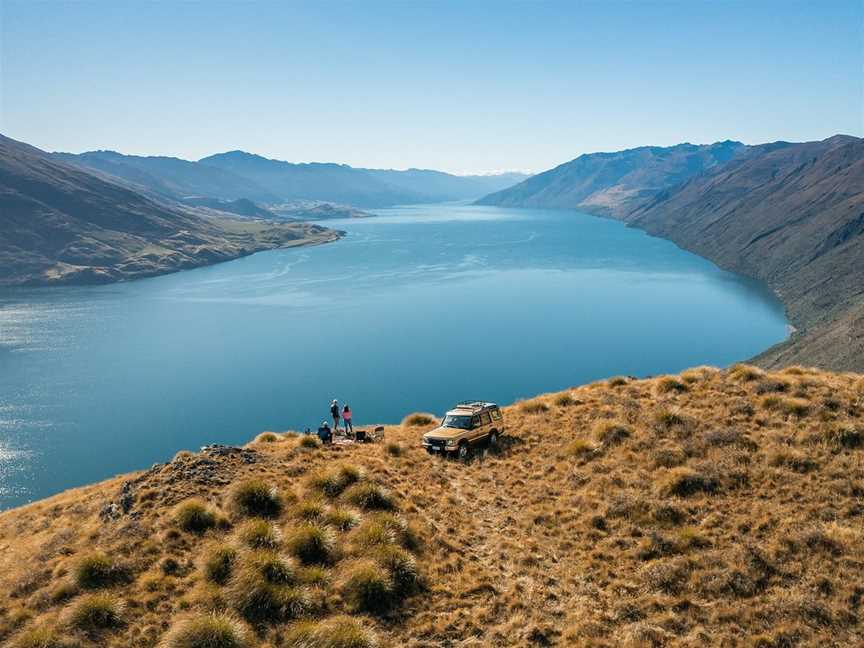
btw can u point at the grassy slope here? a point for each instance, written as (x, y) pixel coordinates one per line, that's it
(707, 509)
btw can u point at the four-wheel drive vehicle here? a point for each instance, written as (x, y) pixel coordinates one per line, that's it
(467, 424)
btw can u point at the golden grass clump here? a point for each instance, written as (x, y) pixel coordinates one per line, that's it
(671, 384)
(617, 381)
(336, 632)
(256, 498)
(208, 631)
(745, 372)
(789, 406)
(266, 437)
(95, 612)
(564, 399)
(310, 442)
(312, 544)
(264, 589)
(309, 509)
(259, 534)
(367, 587)
(534, 406)
(393, 449)
(334, 481)
(194, 516)
(684, 481)
(43, 638)
(401, 566)
(98, 570)
(612, 432)
(419, 419)
(370, 496)
(342, 519)
(219, 563)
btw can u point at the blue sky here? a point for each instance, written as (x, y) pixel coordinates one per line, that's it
(461, 86)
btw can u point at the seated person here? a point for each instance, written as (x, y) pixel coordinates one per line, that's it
(324, 433)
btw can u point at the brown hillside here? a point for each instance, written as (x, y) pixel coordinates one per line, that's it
(714, 508)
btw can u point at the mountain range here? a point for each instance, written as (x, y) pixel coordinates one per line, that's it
(63, 224)
(788, 214)
(240, 175)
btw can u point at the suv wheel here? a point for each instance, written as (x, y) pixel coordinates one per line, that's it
(493, 440)
(462, 452)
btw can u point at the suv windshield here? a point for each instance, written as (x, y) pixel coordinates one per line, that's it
(455, 421)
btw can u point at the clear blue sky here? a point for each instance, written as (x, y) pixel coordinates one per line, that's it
(461, 86)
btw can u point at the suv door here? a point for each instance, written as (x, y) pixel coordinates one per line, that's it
(485, 425)
(476, 428)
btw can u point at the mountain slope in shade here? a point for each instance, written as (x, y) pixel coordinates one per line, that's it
(171, 177)
(340, 183)
(62, 224)
(612, 183)
(791, 215)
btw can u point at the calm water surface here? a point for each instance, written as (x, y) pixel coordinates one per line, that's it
(414, 310)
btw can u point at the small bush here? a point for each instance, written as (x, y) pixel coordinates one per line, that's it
(670, 384)
(564, 400)
(268, 566)
(194, 516)
(211, 631)
(337, 632)
(393, 449)
(684, 482)
(772, 386)
(367, 587)
(219, 563)
(42, 638)
(419, 419)
(342, 519)
(260, 601)
(266, 437)
(401, 566)
(746, 373)
(667, 419)
(98, 570)
(95, 612)
(370, 496)
(309, 509)
(333, 482)
(256, 498)
(259, 534)
(617, 381)
(312, 544)
(310, 441)
(612, 432)
(533, 407)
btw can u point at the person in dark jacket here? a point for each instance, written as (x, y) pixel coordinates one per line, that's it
(334, 411)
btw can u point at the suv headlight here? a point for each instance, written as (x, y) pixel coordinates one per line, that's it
(451, 443)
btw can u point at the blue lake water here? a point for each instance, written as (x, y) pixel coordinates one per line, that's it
(413, 310)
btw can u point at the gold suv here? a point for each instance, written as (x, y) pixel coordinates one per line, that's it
(466, 425)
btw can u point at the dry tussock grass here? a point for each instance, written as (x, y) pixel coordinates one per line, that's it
(624, 513)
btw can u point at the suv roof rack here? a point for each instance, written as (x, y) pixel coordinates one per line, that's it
(475, 404)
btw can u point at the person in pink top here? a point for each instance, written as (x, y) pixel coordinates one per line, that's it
(346, 417)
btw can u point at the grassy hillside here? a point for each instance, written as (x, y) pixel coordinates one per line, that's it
(712, 508)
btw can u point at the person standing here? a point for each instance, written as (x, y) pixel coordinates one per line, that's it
(346, 416)
(334, 411)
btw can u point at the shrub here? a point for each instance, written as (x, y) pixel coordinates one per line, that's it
(745, 372)
(260, 601)
(367, 587)
(671, 384)
(312, 544)
(212, 631)
(342, 519)
(259, 534)
(393, 449)
(310, 441)
(268, 566)
(564, 400)
(683, 482)
(256, 498)
(419, 419)
(401, 566)
(98, 570)
(266, 437)
(194, 516)
(337, 632)
(370, 496)
(617, 381)
(772, 386)
(309, 509)
(533, 407)
(333, 482)
(612, 432)
(667, 419)
(42, 638)
(219, 563)
(95, 612)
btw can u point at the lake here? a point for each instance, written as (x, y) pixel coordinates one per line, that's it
(413, 310)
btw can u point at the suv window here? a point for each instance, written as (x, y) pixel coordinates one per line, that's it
(484, 416)
(475, 421)
(496, 414)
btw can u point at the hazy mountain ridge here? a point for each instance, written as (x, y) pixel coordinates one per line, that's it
(63, 224)
(612, 183)
(791, 215)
